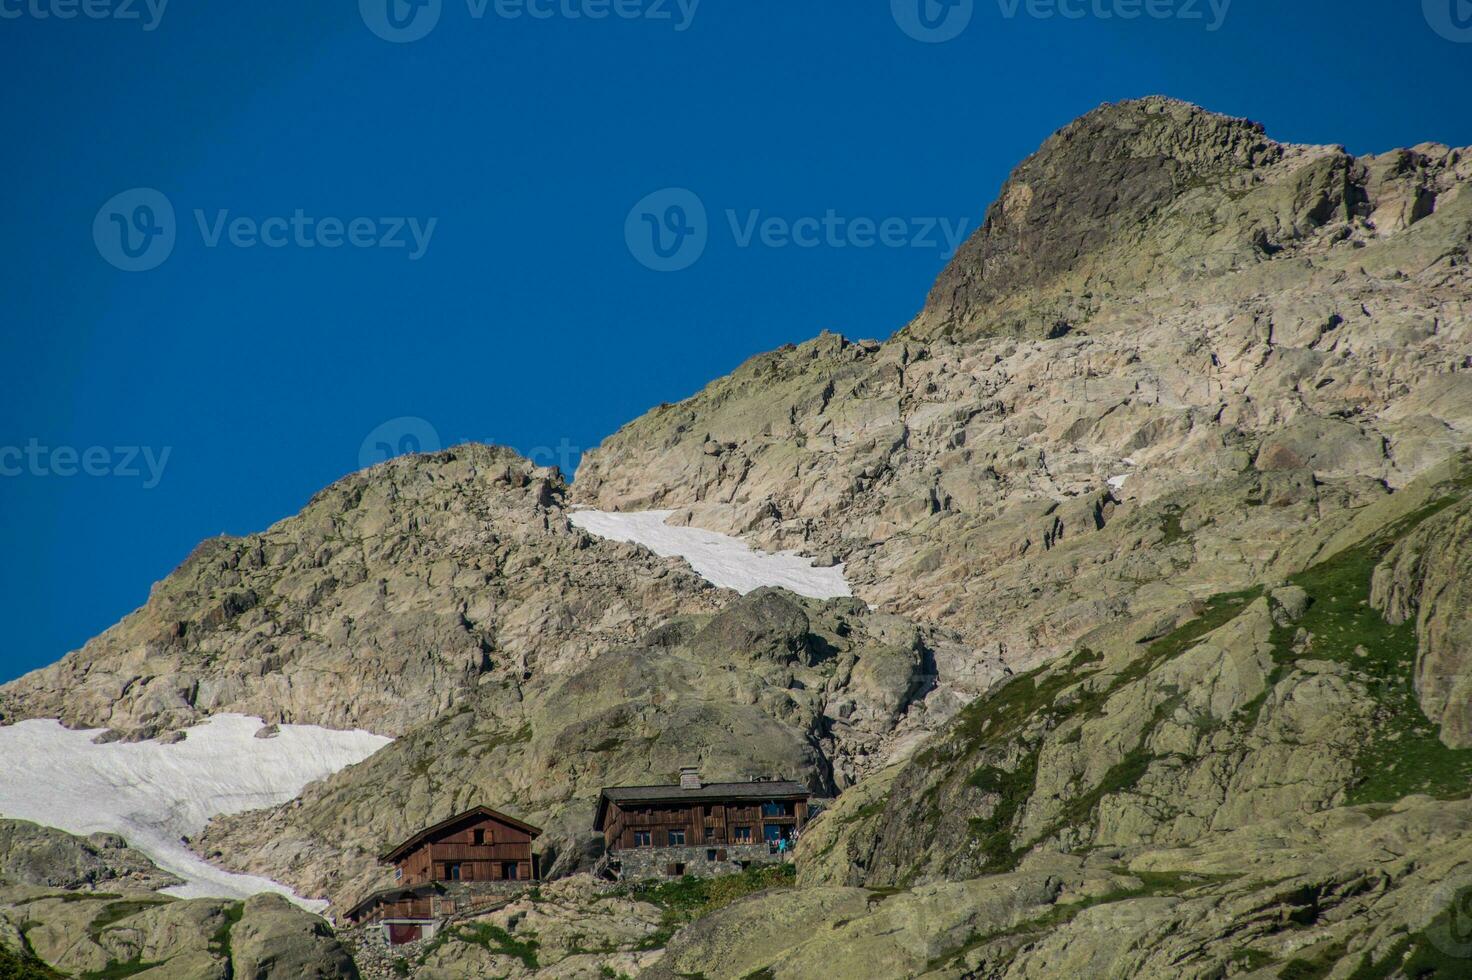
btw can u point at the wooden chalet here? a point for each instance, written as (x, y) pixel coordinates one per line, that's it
(442, 869)
(696, 814)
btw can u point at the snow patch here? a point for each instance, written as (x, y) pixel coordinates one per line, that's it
(1118, 482)
(722, 560)
(154, 794)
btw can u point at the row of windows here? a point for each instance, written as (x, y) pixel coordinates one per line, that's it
(740, 834)
(455, 871)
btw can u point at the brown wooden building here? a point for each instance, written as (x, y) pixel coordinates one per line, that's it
(443, 868)
(477, 845)
(696, 814)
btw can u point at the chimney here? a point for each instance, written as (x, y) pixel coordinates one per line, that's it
(689, 777)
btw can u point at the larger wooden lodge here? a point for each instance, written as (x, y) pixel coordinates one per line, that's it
(446, 868)
(698, 828)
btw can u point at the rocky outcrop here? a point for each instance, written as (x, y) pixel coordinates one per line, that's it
(385, 602)
(34, 855)
(274, 939)
(773, 685)
(1359, 891)
(1427, 577)
(138, 932)
(1175, 342)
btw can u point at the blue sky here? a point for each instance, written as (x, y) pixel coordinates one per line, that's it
(215, 392)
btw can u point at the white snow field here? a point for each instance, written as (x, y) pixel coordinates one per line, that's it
(720, 559)
(152, 794)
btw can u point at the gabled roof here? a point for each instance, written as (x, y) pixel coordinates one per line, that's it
(413, 843)
(394, 894)
(780, 789)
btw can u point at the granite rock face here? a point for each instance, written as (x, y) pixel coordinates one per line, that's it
(43, 856)
(1175, 342)
(773, 685)
(62, 931)
(1428, 578)
(385, 602)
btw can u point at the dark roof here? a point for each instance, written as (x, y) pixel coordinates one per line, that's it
(775, 789)
(394, 894)
(393, 856)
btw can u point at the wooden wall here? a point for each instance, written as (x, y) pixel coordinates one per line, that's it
(703, 823)
(478, 862)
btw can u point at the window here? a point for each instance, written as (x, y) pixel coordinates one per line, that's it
(677, 838)
(508, 871)
(641, 838)
(452, 872)
(710, 854)
(480, 838)
(771, 832)
(398, 873)
(741, 835)
(776, 809)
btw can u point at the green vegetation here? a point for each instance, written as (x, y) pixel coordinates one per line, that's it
(22, 964)
(1442, 950)
(1313, 967)
(1247, 960)
(691, 898)
(1071, 692)
(1151, 884)
(1170, 527)
(118, 969)
(220, 941)
(1402, 753)
(995, 831)
(492, 938)
(116, 912)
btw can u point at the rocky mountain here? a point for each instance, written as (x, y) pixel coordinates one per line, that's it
(1167, 319)
(386, 601)
(1157, 519)
(770, 685)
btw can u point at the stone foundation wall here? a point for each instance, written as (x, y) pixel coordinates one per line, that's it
(639, 863)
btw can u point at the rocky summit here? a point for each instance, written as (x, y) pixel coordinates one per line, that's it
(1158, 520)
